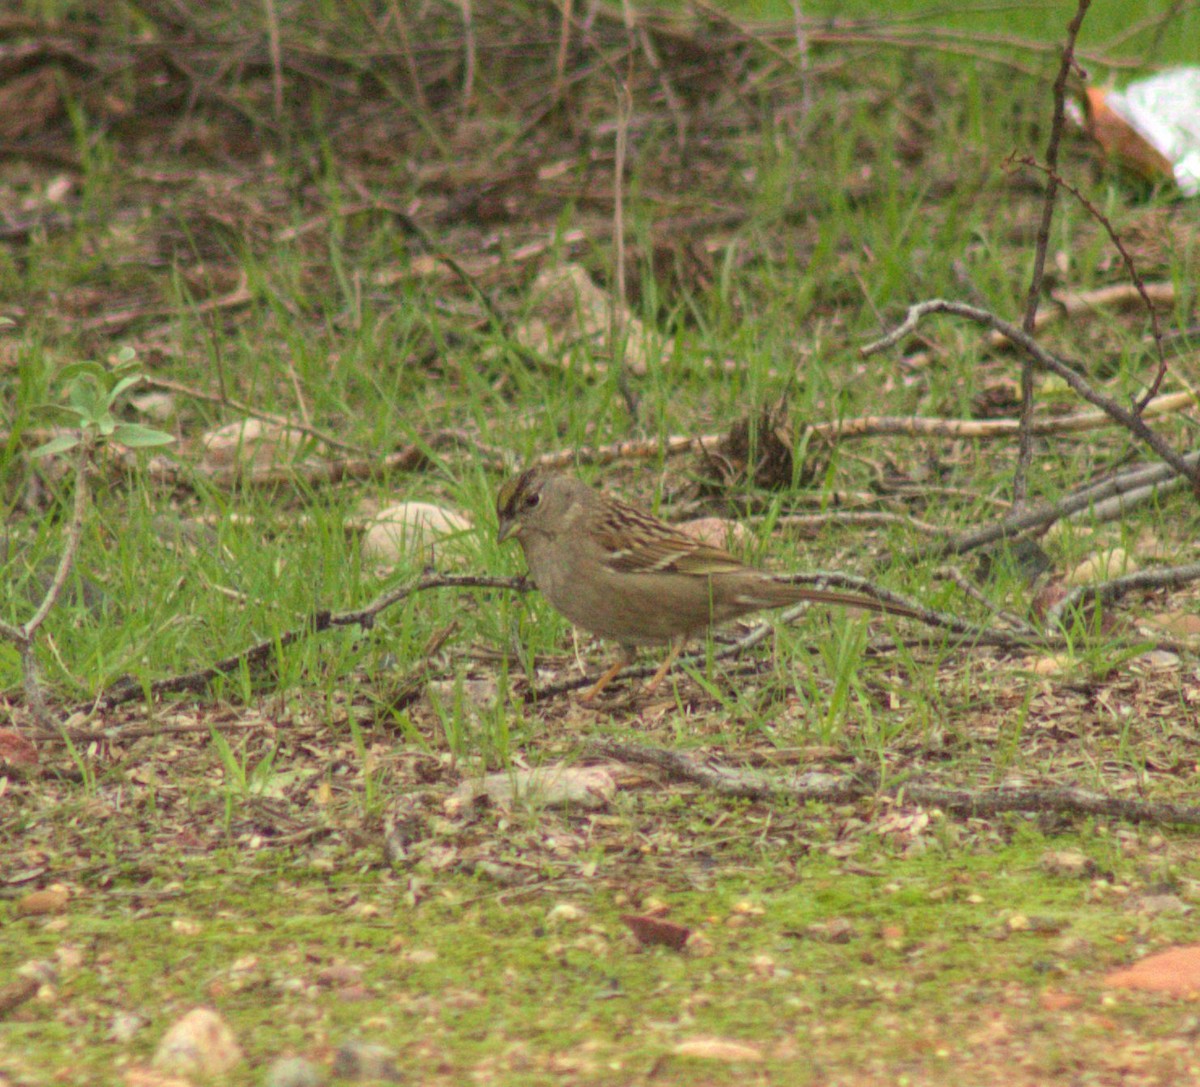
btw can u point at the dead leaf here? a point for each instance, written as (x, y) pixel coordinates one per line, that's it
(16, 751)
(1176, 971)
(651, 931)
(40, 903)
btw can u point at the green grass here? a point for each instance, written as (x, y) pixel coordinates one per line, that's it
(223, 848)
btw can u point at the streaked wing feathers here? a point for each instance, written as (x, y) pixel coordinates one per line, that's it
(658, 548)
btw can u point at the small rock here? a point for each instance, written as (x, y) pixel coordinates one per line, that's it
(124, 1025)
(1102, 566)
(719, 1049)
(157, 406)
(294, 1072)
(410, 528)
(837, 930)
(1154, 905)
(200, 1043)
(719, 532)
(1068, 863)
(252, 443)
(551, 786)
(363, 1060)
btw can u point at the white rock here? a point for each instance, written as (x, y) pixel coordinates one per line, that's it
(252, 443)
(200, 1043)
(409, 528)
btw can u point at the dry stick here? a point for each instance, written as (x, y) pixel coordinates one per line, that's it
(226, 401)
(1042, 516)
(1130, 267)
(921, 426)
(1171, 577)
(410, 61)
(114, 321)
(261, 653)
(867, 783)
(24, 637)
(468, 89)
(1025, 447)
(966, 586)
(864, 426)
(564, 46)
(1116, 508)
(1070, 303)
(616, 312)
(856, 518)
(1130, 420)
(275, 51)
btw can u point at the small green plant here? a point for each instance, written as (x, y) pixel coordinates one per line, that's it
(91, 393)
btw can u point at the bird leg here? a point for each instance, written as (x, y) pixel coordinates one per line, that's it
(676, 648)
(626, 657)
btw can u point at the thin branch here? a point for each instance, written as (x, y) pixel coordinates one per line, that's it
(1131, 421)
(224, 400)
(1093, 496)
(867, 783)
(1171, 577)
(1130, 267)
(262, 652)
(1028, 324)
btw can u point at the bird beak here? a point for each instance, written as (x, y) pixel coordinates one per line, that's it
(508, 527)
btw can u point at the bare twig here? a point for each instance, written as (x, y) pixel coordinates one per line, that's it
(1028, 323)
(1130, 420)
(1164, 578)
(1130, 267)
(167, 385)
(261, 653)
(1085, 499)
(275, 51)
(24, 637)
(866, 783)
(617, 332)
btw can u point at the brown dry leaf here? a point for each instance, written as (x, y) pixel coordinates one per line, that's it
(40, 903)
(1176, 971)
(16, 750)
(1053, 1000)
(1053, 592)
(651, 931)
(1049, 666)
(28, 102)
(147, 1077)
(718, 1049)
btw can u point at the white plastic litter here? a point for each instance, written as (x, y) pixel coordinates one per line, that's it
(1165, 111)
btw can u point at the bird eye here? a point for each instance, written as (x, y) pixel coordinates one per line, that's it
(532, 501)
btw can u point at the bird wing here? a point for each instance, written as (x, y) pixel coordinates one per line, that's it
(636, 543)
